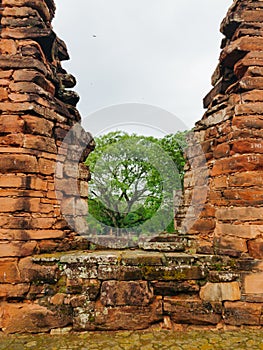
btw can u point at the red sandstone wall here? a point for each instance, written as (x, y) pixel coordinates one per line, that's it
(37, 110)
(129, 289)
(230, 134)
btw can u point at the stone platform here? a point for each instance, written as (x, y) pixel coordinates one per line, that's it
(129, 290)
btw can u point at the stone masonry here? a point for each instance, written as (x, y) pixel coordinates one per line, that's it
(130, 289)
(37, 110)
(230, 134)
(47, 284)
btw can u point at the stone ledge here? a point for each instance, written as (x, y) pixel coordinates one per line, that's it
(133, 289)
(132, 257)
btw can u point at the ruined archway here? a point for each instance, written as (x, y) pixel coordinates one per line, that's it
(217, 279)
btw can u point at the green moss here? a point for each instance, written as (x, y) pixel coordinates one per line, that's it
(61, 266)
(224, 265)
(201, 283)
(233, 263)
(91, 318)
(218, 266)
(62, 281)
(153, 273)
(62, 289)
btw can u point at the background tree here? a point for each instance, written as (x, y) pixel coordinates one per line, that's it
(127, 186)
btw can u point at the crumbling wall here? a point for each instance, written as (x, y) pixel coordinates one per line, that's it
(42, 177)
(230, 134)
(132, 289)
(37, 111)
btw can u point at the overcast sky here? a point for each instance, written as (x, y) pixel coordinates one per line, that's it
(155, 52)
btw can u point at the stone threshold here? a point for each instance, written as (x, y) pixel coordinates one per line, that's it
(110, 290)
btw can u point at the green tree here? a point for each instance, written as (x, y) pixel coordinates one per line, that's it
(129, 182)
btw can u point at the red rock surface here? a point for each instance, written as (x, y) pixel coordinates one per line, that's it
(113, 290)
(37, 110)
(230, 134)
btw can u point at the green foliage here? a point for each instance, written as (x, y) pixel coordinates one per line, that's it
(128, 185)
(174, 145)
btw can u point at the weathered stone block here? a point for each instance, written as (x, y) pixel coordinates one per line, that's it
(79, 301)
(174, 288)
(250, 122)
(249, 108)
(9, 272)
(237, 163)
(11, 124)
(250, 83)
(248, 146)
(24, 235)
(191, 310)
(132, 293)
(68, 186)
(240, 213)
(220, 292)
(241, 231)
(17, 249)
(86, 271)
(40, 143)
(120, 273)
(12, 140)
(3, 94)
(26, 75)
(18, 163)
(242, 313)
(99, 257)
(58, 299)
(230, 246)
(244, 197)
(178, 273)
(90, 288)
(218, 183)
(25, 204)
(46, 166)
(202, 225)
(36, 125)
(221, 151)
(5, 74)
(253, 283)
(84, 173)
(238, 48)
(18, 12)
(141, 258)
(7, 47)
(39, 6)
(98, 317)
(30, 88)
(163, 246)
(32, 318)
(83, 189)
(13, 290)
(255, 248)
(252, 15)
(34, 273)
(223, 276)
(246, 179)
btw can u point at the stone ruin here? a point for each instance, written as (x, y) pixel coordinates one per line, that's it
(37, 111)
(230, 134)
(216, 280)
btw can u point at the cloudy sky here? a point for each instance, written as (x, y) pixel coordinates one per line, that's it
(160, 53)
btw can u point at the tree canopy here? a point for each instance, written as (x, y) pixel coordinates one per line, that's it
(133, 182)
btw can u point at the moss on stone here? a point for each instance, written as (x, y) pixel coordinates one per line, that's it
(153, 273)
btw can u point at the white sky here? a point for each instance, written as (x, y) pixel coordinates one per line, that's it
(156, 52)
